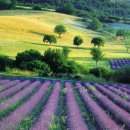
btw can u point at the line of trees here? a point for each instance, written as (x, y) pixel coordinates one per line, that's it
(7, 4)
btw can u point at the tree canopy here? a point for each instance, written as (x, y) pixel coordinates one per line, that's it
(60, 29)
(78, 41)
(98, 41)
(97, 54)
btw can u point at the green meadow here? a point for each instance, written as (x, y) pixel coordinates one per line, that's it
(22, 30)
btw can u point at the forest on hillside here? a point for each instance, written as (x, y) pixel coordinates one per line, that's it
(111, 8)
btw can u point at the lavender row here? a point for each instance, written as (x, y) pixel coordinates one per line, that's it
(118, 113)
(120, 85)
(4, 105)
(102, 119)
(115, 64)
(119, 92)
(124, 89)
(14, 89)
(74, 117)
(4, 81)
(12, 121)
(48, 112)
(9, 84)
(117, 99)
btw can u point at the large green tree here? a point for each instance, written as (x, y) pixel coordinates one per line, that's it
(98, 41)
(7, 4)
(77, 41)
(49, 38)
(60, 29)
(97, 54)
(95, 24)
(122, 33)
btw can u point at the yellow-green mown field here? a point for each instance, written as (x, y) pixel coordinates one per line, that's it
(24, 29)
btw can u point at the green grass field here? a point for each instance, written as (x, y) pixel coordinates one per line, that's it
(24, 29)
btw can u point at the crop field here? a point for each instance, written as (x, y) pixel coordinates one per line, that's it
(116, 64)
(22, 30)
(30, 104)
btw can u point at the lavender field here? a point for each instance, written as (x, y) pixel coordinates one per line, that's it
(116, 64)
(30, 104)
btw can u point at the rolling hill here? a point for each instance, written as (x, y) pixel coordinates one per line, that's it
(22, 30)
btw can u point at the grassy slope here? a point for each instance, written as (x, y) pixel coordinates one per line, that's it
(23, 29)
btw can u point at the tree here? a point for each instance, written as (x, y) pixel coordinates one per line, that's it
(121, 33)
(95, 24)
(55, 59)
(66, 51)
(27, 56)
(37, 66)
(7, 4)
(127, 46)
(97, 54)
(50, 39)
(67, 9)
(77, 41)
(98, 41)
(60, 29)
(37, 7)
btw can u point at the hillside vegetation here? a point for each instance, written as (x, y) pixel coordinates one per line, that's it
(24, 29)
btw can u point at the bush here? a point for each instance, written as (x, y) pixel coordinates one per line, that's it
(7, 4)
(36, 66)
(50, 38)
(27, 56)
(71, 68)
(55, 59)
(66, 51)
(37, 7)
(5, 61)
(101, 72)
(67, 9)
(121, 75)
(78, 77)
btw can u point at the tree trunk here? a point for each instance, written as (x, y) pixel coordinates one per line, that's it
(96, 63)
(60, 35)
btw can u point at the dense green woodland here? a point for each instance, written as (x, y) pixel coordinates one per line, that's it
(96, 7)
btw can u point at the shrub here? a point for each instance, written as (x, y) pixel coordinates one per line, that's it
(55, 59)
(78, 77)
(122, 75)
(60, 29)
(72, 67)
(98, 41)
(66, 51)
(50, 38)
(77, 41)
(97, 54)
(37, 7)
(67, 9)
(101, 72)
(27, 56)
(6, 61)
(7, 4)
(36, 66)
(95, 24)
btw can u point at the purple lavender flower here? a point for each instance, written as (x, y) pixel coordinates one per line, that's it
(74, 117)
(4, 105)
(9, 84)
(48, 112)
(102, 119)
(12, 121)
(117, 99)
(115, 110)
(14, 89)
